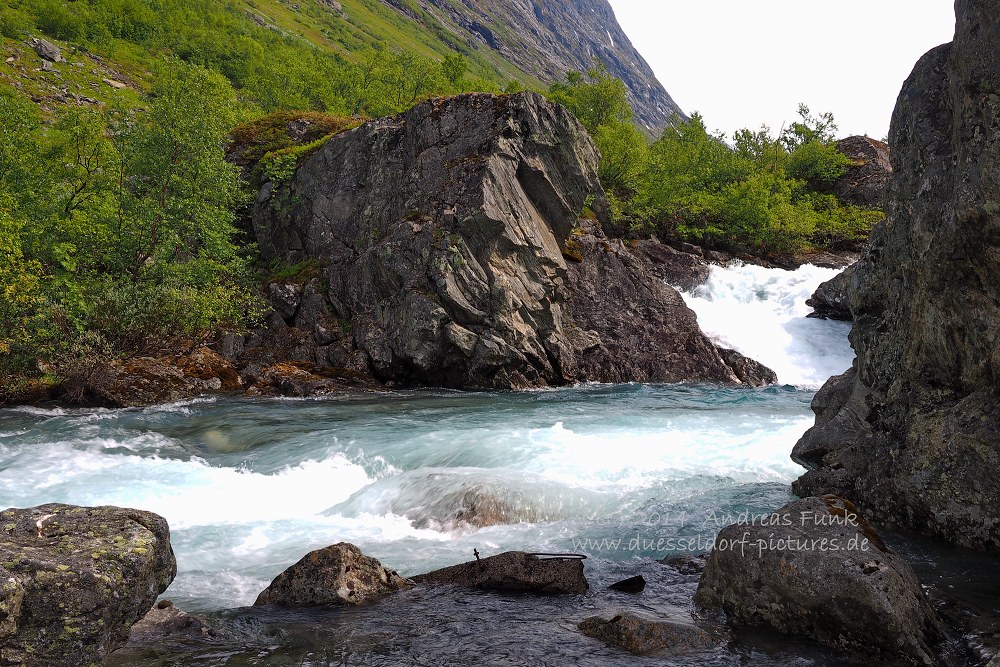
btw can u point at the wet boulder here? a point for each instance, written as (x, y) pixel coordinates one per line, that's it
(338, 574)
(642, 636)
(635, 585)
(750, 372)
(687, 563)
(816, 568)
(514, 571)
(73, 580)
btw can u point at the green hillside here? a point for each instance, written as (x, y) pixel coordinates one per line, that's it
(355, 57)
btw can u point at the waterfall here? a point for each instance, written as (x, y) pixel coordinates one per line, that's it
(761, 313)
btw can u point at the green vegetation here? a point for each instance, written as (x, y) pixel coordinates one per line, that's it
(761, 194)
(116, 226)
(117, 212)
(118, 206)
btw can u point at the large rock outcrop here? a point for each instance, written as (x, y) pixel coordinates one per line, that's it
(913, 433)
(73, 580)
(461, 247)
(817, 568)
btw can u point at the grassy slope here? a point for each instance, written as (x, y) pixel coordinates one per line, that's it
(358, 26)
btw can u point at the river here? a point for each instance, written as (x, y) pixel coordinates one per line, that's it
(626, 474)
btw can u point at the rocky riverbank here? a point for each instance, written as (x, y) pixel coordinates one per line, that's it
(815, 569)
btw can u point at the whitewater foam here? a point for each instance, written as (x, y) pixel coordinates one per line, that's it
(761, 313)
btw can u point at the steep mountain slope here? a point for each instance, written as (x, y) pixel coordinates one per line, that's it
(530, 43)
(546, 39)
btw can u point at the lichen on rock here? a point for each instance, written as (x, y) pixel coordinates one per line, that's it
(75, 579)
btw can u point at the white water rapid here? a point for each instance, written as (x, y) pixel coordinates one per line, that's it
(761, 313)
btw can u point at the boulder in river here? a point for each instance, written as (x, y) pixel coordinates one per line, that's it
(514, 571)
(73, 580)
(460, 244)
(338, 574)
(918, 441)
(817, 568)
(642, 636)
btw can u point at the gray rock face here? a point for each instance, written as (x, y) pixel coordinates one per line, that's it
(73, 580)
(916, 439)
(547, 39)
(338, 574)
(831, 300)
(643, 636)
(455, 256)
(816, 568)
(514, 571)
(867, 178)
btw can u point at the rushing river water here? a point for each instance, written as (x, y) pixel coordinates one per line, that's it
(617, 472)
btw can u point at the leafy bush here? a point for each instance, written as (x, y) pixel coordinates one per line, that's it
(761, 194)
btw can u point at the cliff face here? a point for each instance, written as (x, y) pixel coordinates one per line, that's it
(913, 431)
(455, 254)
(547, 39)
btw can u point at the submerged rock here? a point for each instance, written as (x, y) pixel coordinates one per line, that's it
(338, 574)
(461, 246)
(166, 623)
(73, 580)
(687, 563)
(918, 440)
(636, 584)
(472, 507)
(816, 568)
(514, 571)
(642, 636)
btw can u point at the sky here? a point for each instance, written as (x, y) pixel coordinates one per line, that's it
(744, 63)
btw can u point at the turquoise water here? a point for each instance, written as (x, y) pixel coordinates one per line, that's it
(619, 473)
(249, 487)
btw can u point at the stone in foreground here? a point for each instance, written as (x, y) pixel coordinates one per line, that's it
(816, 568)
(641, 636)
(514, 571)
(339, 574)
(73, 580)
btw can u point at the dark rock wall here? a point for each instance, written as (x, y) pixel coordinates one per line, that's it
(913, 433)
